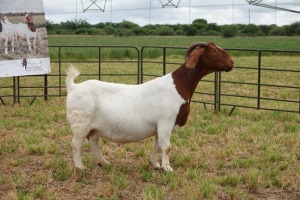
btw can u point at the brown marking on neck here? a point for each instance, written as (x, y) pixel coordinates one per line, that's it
(186, 81)
(31, 26)
(201, 59)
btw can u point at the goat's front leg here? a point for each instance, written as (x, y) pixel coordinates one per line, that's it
(6, 46)
(154, 157)
(164, 135)
(28, 42)
(34, 42)
(13, 44)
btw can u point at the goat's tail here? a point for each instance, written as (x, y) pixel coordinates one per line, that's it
(72, 73)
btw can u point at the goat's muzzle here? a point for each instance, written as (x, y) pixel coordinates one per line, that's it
(229, 66)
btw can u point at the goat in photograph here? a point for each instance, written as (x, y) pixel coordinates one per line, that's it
(7, 33)
(128, 113)
(27, 31)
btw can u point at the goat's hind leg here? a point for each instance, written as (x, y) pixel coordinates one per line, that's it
(93, 140)
(77, 142)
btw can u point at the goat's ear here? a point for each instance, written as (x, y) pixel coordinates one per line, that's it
(192, 59)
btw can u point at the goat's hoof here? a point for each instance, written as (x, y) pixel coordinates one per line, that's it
(156, 165)
(167, 169)
(81, 167)
(105, 163)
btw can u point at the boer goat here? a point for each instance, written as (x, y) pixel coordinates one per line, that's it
(7, 33)
(27, 31)
(128, 113)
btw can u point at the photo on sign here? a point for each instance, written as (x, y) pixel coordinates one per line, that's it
(23, 39)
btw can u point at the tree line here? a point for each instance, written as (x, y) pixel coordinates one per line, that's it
(198, 27)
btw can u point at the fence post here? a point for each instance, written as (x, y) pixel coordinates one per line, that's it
(14, 91)
(99, 63)
(299, 104)
(142, 66)
(46, 87)
(259, 80)
(164, 61)
(138, 67)
(217, 91)
(59, 69)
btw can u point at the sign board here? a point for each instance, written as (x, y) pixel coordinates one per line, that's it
(23, 38)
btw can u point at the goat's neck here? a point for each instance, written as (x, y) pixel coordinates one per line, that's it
(186, 80)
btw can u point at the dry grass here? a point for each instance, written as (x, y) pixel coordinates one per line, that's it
(250, 155)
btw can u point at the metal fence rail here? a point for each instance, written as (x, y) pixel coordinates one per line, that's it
(218, 90)
(261, 83)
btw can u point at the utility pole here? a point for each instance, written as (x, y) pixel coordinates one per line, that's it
(249, 16)
(232, 11)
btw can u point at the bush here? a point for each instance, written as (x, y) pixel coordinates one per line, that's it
(125, 32)
(252, 30)
(229, 31)
(292, 29)
(191, 31)
(139, 31)
(95, 31)
(277, 31)
(109, 30)
(298, 31)
(165, 31)
(213, 27)
(81, 31)
(211, 33)
(265, 29)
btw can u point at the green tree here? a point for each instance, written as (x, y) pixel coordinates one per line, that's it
(251, 30)
(265, 29)
(213, 27)
(128, 25)
(139, 31)
(165, 31)
(229, 31)
(191, 31)
(125, 32)
(278, 31)
(199, 21)
(109, 30)
(292, 29)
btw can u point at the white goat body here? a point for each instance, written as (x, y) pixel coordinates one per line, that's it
(25, 33)
(128, 113)
(7, 34)
(123, 113)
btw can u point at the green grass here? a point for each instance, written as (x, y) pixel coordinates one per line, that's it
(279, 43)
(282, 43)
(252, 154)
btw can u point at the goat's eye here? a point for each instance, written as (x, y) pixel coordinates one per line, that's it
(214, 51)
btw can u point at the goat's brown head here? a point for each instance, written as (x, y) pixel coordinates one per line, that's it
(209, 56)
(29, 18)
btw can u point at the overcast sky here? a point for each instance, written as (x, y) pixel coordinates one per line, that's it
(145, 12)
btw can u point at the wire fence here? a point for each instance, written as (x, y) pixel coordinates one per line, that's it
(262, 79)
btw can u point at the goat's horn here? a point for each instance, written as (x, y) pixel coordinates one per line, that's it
(193, 46)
